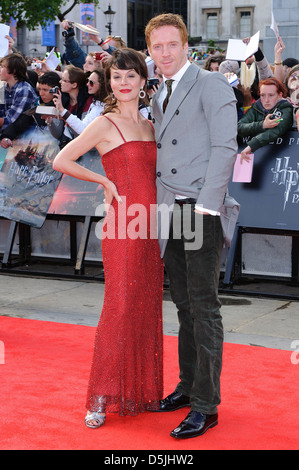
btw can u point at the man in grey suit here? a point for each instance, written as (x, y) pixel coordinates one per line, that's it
(195, 119)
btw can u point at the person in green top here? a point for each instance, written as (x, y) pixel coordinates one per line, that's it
(270, 117)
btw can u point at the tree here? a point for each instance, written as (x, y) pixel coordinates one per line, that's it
(36, 13)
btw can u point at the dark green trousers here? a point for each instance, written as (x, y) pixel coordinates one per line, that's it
(194, 277)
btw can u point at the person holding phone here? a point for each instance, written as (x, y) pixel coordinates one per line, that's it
(270, 117)
(97, 90)
(74, 97)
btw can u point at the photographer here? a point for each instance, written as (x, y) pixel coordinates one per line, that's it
(45, 87)
(153, 84)
(270, 117)
(97, 90)
(46, 83)
(74, 98)
(73, 52)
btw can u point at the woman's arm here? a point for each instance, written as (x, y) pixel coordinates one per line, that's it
(66, 160)
(248, 125)
(272, 129)
(79, 125)
(278, 69)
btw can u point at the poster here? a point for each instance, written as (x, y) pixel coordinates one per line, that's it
(77, 197)
(27, 178)
(87, 17)
(271, 200)
(3, 153)
(48, 34)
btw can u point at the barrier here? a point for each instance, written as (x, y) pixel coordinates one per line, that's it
(31, 192)
(270, 203)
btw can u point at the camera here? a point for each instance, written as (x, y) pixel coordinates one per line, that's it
(68, 33)
(98, 55)
(36, 65)
(152, 82)
(276, 115)
(54, 90)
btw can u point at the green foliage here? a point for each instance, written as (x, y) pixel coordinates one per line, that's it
(34, 13)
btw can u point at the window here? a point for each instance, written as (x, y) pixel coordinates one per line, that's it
(245, 24)
(211, 22)
(212, 25)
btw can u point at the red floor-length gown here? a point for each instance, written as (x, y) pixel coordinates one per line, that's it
(127, 368)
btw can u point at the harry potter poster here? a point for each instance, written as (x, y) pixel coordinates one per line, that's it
(27, 178)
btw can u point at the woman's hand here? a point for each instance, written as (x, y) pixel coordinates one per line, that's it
(94, 37)
(105, 56)
(57, 101)
(278, 49)
(270, 123)
(47, 118)
(10, 43)
(245, 155)
(110, 193)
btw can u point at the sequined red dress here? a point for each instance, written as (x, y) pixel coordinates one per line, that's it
(127, 368)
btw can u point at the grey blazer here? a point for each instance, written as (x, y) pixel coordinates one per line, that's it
(197, 146)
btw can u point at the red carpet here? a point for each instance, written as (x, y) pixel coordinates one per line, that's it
(44, 381)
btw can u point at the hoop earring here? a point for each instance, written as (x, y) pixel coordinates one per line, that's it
(142, 94)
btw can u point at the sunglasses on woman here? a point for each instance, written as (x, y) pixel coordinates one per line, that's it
(91, 83)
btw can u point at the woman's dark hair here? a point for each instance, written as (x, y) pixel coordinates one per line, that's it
(101, 94)
(76, 75)
(123, 59)
(212, 60)
(16, 65)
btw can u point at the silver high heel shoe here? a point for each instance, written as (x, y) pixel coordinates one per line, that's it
(94, 416)
(98, 416)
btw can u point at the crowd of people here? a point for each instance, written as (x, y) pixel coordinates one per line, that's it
(80, 98)
(177, 152)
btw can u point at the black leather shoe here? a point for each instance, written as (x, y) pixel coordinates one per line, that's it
(195, 424)
(173, 402)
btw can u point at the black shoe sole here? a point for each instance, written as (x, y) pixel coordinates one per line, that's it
(212, 425)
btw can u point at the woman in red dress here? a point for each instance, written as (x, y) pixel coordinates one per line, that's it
(126, 374)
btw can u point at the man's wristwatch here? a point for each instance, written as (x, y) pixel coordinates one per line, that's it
(101, 42)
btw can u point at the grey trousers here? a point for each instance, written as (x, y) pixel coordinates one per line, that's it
(194, 277)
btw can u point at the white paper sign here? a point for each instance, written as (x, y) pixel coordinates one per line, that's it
(4, 31)
(274, 27)
(52, 60)
(86, 28)
(238, 50)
